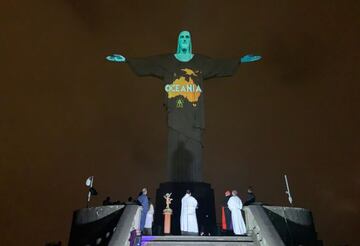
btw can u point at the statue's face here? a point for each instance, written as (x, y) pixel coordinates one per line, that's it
(184, 40)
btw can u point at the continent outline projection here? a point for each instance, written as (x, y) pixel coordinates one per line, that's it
(187, 89)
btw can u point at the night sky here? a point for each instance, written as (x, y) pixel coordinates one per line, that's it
(67, 113)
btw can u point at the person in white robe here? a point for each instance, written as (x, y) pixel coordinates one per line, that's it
(136, 222)
(188, 220)
(235, 205)
(149, 220)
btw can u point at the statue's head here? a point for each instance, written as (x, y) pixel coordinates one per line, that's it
(184, 43)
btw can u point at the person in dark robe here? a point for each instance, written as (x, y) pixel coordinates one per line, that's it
(226, 224)
(107, 201)
(250, 198)
(205, 227)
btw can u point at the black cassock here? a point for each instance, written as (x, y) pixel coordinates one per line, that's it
(226, 223)
(184, 103)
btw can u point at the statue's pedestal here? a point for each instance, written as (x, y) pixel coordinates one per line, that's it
(205, 213)
(167, 221)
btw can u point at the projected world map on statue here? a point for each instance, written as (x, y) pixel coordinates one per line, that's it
(186, 88)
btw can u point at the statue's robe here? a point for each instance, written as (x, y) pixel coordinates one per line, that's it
(184, 103)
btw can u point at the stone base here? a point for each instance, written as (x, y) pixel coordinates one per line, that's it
(204, 194)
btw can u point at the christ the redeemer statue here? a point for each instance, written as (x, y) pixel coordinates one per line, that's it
(183, 75)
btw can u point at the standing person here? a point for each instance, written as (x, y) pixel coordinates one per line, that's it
(188, 220)
(250, 198)
(107, 201)
(149, 219)
(205, 227)
(226, 215)
(144, 201)
(235, 206)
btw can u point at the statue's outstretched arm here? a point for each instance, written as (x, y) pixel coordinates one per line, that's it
(249, 58)
(116, 58)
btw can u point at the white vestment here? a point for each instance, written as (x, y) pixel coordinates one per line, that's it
(235, 205)
(188, 221)
(136, 221)
(149, 217)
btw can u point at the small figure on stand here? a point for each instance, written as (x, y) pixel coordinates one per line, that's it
(167, 214)
(168, 200)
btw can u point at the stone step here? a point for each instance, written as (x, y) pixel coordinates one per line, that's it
(197, 240)
(198, 243)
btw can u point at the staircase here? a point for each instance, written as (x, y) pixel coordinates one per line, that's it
(197, 240)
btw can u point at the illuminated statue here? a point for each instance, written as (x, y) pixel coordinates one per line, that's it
(183, 74)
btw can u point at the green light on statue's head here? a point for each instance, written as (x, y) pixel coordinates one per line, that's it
(184, 43)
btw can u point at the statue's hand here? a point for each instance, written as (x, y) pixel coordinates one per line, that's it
(116, 58)
(249, 58)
